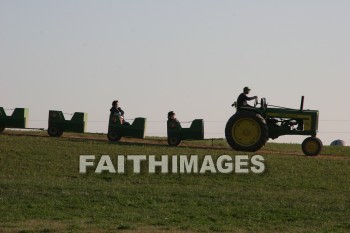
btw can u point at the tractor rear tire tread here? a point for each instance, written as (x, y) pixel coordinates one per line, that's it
(263, 127)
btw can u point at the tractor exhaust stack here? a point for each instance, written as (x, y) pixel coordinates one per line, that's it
(302, 103)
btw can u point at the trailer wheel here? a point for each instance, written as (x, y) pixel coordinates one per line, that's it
(113, 136)
(2, 128)
(312, 146)
(60, 133)
(173, 141)
(54, 131)
(246, 131)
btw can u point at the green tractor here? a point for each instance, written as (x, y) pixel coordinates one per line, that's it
(250, 128)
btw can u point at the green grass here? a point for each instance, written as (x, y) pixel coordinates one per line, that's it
(41, 190)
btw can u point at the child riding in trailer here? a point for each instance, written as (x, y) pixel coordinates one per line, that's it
(117, 111)
(118, 127)
(176, 133)
(172, 122)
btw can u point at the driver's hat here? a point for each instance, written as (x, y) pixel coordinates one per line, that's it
(246, 89)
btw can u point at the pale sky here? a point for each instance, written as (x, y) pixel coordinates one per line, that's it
(193, 57)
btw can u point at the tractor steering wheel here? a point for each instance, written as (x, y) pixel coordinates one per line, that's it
(255, 102)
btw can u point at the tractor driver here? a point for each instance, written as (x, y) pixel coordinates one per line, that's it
(243, 98)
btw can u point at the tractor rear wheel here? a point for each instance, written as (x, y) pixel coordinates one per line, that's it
(173, 141)
(2, 128)
(246, 131)
(312, 146)
(54, 131)
(114, 136)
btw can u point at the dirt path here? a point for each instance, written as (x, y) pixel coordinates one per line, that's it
(163, 142)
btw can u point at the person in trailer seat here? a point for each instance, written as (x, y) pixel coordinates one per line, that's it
(117, 111)
(172, 122)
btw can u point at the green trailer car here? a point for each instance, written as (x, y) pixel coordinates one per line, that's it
(117, 130)
(18, 119)
(58, 124)
(176, 133)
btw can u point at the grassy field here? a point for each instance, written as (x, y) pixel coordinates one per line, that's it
(41, 190)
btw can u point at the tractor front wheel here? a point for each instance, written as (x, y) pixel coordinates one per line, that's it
(2, 128)
(54, 131)
(246, 131)
(312, 146)
(113, 136)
